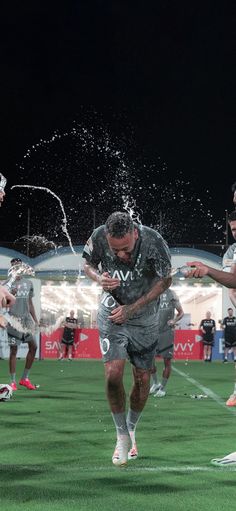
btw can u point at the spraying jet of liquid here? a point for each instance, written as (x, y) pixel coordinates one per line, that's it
(64, 221)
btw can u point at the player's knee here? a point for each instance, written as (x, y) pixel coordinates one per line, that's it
(113, 376)
(142, 378)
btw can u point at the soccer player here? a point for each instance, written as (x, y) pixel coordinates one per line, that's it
(229, 326)
(23, 309)
(227, 279)
(208, 328)
(70, 325)
(132, 264)
(169, 302)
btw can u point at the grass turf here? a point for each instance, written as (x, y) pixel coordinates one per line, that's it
(57, 443)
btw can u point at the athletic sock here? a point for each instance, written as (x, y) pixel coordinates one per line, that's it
(120, 423)
(154, 378)
(25, 374)
(164, 382)
(132, 421)
(13, 377)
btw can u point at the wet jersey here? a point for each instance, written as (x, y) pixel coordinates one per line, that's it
(24, 291)
(208, 325)
(230, 327)
(229, 257)
(21, 308)
(150, 262)
(168, 303)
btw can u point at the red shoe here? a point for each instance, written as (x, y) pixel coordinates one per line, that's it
(13, 385)
(231, 401)
(27, 383)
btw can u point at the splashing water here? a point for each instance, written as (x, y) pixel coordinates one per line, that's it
(131, 208)
(39, 240)
(64, 220)
(107, 173)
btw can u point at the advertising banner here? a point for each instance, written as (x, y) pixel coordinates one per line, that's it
(188, 345)
(86, 344)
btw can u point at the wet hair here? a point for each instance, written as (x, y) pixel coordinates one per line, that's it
(233, 187)
(232, 216)
(16, 260)
(119, 224)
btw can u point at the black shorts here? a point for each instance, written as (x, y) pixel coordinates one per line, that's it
(208, 343)
(230, 343)
(68, 338)
(67, 343)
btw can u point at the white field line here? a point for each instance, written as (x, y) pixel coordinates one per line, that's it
(132, 467)
(175, 468)
(206, 391)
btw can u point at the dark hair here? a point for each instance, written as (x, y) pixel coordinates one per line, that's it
(230, 309)
(232, 216)
(119, 224)
(16, 260)
(233, 187)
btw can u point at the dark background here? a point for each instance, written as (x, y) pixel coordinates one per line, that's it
(157, 76)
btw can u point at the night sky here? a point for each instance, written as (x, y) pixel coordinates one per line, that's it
(140, 99)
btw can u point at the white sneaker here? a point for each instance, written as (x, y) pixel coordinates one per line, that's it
(160, 393)
(227, 460)
(120, 455)
(154, 388)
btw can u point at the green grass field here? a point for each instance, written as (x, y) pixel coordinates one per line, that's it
(57, 442)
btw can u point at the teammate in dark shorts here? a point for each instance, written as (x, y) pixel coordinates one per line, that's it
(208, 328)
(132, 264)
(169, 302)
(70, 325)
(229, 326)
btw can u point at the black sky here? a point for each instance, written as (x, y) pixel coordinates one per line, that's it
(165, 68)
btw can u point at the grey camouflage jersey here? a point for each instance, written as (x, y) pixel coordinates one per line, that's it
(20, 309)
(150, 262)
(168, 303)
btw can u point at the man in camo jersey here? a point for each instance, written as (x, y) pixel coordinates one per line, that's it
(132, 264)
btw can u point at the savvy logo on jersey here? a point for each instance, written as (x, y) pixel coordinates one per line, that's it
(129, 275)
